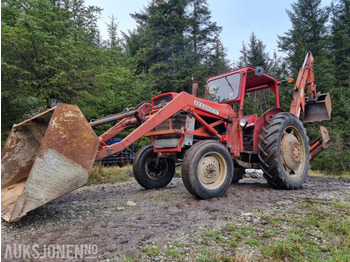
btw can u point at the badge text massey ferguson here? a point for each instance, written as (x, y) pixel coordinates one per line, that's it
(206, 107)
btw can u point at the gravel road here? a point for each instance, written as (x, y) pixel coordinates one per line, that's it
(120, 219)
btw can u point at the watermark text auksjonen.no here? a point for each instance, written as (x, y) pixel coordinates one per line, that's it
(19, 251)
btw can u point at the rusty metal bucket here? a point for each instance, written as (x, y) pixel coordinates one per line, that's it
(45, 157)
(318, 108)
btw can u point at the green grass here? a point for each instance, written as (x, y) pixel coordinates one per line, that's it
(282, 250)
(131, 259)
(205, 250)
(339, 228)
(100, 174)
(173, 253)
(214, 235)
(151, 251)
(307, 230)
(269, 232)
(253, 241)
(315, 236)
(233, 243)
(204, 259)
(178, 245)
(319, 231)
(317, 173)
(272, 220)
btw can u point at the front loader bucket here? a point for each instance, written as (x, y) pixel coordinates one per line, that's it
(318, 108)
(45, 157)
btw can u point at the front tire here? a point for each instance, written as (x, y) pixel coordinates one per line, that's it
(207, 169)
(284, 151)
(148, 173)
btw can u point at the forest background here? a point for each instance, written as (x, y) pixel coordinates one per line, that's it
(52, 49)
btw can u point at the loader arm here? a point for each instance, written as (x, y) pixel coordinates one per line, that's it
(181, 102)
(163, 114)
(136, 116)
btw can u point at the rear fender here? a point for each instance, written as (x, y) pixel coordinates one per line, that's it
(259, 125)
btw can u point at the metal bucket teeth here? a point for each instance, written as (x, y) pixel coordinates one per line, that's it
(45, 157)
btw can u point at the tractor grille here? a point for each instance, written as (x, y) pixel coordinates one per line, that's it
(162, 100)
(170, 140)
(175, 122)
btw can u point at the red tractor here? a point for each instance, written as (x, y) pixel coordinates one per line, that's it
(52, 153)
(216, 143)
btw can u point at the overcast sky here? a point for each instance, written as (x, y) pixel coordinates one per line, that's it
(238, 18)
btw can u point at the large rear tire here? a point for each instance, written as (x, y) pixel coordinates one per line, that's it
(207, 169)
(150, 174)
(284, 151)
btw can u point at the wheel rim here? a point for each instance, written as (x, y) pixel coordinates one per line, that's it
(292, 152)
(156, 170)
(212, 170)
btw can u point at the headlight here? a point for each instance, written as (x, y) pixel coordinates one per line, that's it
(243, 123)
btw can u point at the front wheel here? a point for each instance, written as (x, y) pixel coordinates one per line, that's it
(284, 151)
(150, 171)
(207, 169)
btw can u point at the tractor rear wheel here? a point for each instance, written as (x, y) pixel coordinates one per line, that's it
(150, 171)
(207, 169)
(284, 151)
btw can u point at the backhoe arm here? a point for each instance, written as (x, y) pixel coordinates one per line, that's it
(305, 78)
(313, 107)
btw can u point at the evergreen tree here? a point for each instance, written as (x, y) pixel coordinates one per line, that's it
(308, 33)
(336, 159)
(341, 41)
(162, 44)
(254, 54)
(112, 28)
(243, 59)
(175, 42)
(203, 33)
(49, 51)
(257, 56)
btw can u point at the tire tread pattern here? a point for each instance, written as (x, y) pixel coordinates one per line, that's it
(269, 148)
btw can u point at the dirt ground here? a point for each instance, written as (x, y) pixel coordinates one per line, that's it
(121, 219)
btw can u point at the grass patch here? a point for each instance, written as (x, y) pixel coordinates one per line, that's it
(283, 250)
(338, 228)
(313, 227)
(151, 251)
(205, 250)
(204, 259)
(233, 243)
(253, 241)
(101, 174)
(131, 259)
(173, 253)
(178, 245)
(272, 220)
(225, 258)
(269, 233)
(317, 173)
(317, 230)
(214, 235)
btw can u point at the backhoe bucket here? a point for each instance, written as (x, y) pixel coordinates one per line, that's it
(318, 108)
(45, 157)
